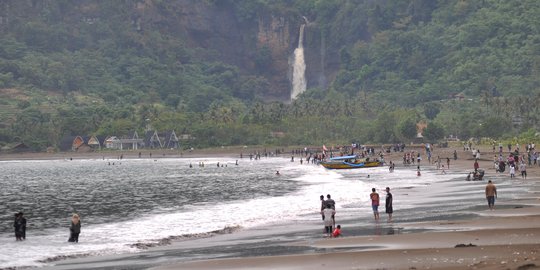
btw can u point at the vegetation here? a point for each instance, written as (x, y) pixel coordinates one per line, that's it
(401, 62)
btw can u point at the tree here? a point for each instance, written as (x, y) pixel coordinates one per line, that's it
(431, 110)
(406, 128)
(433, 132)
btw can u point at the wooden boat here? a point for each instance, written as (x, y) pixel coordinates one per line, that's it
(350, 162)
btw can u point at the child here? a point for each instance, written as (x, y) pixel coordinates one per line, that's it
(512, 171)
(337, 231)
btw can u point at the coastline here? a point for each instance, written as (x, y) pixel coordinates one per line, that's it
(507, 238)
(500, 239)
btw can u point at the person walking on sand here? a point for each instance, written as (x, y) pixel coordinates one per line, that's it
(388, 204)
(491, 194)
(375, 203)
(328, 219)
(75, 228)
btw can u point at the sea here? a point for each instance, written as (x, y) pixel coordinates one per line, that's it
(130, 206)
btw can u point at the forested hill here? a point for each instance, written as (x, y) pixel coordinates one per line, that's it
(219, 70)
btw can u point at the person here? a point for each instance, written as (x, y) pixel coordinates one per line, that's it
(23, 225)
(330, 201)
(277, 172)
(328, 213)
(323, 205)
(375, 203)
(448, 162)
(491, 194)
(388, 204)
(523, 170)
(18, 226)
(337, 231)
(332, 204)
(75, 228)
(512, 171)
(476, 165)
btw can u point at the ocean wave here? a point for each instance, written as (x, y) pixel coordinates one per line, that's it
(168, 240)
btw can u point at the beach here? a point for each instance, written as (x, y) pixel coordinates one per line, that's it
(506, 238)
(499, 239)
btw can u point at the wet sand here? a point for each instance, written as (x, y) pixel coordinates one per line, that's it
(499, 239)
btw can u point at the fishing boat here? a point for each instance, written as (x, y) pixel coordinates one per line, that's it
(350, 162)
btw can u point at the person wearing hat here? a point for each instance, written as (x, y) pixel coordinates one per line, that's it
(388, 204)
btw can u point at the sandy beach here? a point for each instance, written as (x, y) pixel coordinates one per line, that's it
(506, 238)
(499, 239)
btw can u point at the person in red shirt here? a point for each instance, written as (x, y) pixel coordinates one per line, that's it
(337, 231)
(375, 203)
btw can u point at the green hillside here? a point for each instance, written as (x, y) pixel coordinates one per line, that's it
(466, 68)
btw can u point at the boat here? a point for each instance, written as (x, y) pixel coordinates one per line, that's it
(350, 162)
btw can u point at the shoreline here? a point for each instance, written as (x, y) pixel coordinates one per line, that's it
(499, 239)
(506, 238)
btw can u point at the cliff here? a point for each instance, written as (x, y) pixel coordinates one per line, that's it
(213, 30)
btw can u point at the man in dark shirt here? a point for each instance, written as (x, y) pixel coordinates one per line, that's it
(388, 204)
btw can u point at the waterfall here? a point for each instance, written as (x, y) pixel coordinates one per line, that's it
(299, 67)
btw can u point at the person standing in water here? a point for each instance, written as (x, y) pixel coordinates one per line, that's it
(18, 226)
(329, 201)
(323, 205)
(388, 204)
(23, 224)
(75, 228)
(328, 217)
(375, 203)
(491, 194)
(337, 231)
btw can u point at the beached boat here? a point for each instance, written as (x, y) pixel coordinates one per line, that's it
(350, 162)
